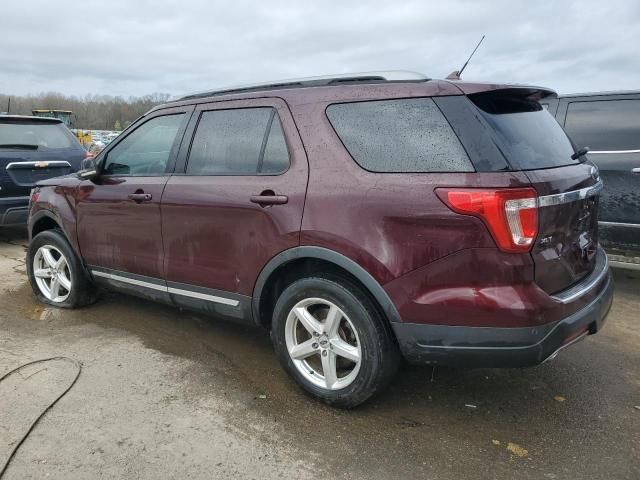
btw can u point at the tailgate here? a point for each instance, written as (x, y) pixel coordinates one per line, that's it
(567, 242)
(33, 149)
(532, 141)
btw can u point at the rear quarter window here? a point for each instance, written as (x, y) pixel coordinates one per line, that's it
(393, 136)
(606, 125)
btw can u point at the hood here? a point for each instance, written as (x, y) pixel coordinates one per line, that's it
(65, 180)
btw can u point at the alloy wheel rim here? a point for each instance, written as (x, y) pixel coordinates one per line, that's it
(323, 343)
(52, 273)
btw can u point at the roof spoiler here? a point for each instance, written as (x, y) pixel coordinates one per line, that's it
(510, 99)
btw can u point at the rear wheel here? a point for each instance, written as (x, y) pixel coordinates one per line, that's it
(333, 341)
(55, 272)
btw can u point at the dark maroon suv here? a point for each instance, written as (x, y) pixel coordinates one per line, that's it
(358, 218)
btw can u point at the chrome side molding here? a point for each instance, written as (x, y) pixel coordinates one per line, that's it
(613, 151)
(619, 224)
(163, 288)
(203, 296)
(131, 281)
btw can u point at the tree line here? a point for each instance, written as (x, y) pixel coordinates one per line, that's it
(91, 112)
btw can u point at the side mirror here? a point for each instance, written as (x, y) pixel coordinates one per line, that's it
(88, 168)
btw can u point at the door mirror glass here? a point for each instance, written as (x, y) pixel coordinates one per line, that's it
(88, 168)
(88, 163)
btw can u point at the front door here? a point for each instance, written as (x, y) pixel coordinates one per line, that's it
(237, 202)
(119, 211)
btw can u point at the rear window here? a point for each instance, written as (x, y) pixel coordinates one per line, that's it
(605, 125)
(406, 135)
(525, 131)
(36, 134)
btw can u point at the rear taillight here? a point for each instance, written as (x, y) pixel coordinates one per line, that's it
(511, 214)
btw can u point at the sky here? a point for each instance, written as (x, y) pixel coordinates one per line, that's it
(137, 47)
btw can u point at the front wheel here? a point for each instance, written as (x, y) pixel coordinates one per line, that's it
(55, 272)
(333, 341)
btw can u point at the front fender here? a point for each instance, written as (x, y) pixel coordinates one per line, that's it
(57, 204)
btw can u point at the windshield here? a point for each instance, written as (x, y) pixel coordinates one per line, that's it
(526, 132)
(35, 134)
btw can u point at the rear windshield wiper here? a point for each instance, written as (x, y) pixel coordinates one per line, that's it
(580, 153)
(23, 146)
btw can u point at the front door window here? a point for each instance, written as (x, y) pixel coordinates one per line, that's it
(146, 151)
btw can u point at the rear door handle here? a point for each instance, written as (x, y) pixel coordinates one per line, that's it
(635, 170)
(140, 197)
(269, 198)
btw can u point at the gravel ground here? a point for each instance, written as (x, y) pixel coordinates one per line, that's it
(170, 394)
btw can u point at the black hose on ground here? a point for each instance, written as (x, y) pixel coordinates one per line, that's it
(24, 437)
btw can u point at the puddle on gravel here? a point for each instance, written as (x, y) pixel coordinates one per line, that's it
(419, 413)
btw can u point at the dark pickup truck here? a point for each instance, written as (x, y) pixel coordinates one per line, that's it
(609, 124)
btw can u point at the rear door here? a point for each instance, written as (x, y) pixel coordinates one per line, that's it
(118, 213)
(235, 201)
(533, 142)
(610, 127)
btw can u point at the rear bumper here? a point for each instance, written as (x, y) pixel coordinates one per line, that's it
(465, 346)
(14, 210)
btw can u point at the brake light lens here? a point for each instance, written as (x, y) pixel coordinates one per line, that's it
(510, 214)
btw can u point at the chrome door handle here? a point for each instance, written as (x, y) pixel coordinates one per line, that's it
(269, 199)
(635, 170)
(140, 197)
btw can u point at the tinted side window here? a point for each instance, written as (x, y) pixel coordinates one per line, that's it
(276, 155)
(605, 125)
(407, 135)
(238, 142)
(147, 149)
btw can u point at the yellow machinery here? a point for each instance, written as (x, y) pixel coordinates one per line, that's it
(67, 118)
(84, 136)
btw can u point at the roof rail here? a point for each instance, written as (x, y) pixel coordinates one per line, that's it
(321, 81)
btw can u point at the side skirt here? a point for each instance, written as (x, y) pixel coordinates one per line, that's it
(231, 306)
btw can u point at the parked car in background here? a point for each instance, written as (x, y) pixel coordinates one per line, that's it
(609, 124)
(32, 149)
(358, 218)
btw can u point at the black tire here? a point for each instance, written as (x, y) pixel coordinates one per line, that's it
(380, 355)
(83, 291)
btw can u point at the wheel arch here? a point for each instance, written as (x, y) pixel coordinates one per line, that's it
(46, 219)
(278, 267)
(43, 220)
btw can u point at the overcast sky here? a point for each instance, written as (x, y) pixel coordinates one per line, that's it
(134, 47)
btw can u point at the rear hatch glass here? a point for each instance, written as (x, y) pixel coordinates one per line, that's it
(34, 150)
(527, 133)
(532, 141)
